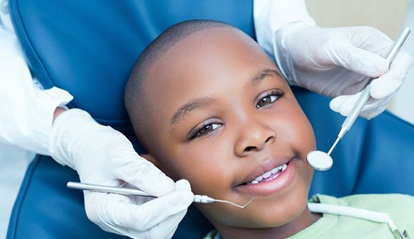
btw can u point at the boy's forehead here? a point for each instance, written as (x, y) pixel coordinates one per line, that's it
(215, 36)
(221, 44)
(205, 55)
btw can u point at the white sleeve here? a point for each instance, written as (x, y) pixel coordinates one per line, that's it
(270, 15)
(5, 16)
(26, 110)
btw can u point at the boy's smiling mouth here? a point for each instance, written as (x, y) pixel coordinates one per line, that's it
(269, 175)
(267, 179)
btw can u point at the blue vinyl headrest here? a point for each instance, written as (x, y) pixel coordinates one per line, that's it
(89, 47)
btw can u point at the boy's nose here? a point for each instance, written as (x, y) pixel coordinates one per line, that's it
(253, 138)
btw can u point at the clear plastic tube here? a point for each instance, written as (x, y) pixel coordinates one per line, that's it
(358, 213)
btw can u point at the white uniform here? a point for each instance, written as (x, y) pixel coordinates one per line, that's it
(27, 109)
(24, 128)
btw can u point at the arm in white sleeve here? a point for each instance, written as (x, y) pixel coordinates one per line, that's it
(270, 15)
(26, 109)
(5, 19)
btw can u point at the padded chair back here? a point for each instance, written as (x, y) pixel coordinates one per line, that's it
(92, 45)
(89, 47)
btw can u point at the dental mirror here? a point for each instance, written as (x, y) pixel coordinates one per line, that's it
(323, 161)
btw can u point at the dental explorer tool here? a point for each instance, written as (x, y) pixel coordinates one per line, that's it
(323, 161)
(137, 192)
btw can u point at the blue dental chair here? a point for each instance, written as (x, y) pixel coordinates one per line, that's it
(89, 47)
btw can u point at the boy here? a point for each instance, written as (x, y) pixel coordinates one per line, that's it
(211, 107)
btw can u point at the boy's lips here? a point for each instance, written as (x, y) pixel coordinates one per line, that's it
(269, 177)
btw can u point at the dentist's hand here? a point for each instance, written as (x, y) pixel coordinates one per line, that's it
(101, 155)
(339, 62)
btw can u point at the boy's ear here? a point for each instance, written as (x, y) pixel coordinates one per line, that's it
(152, 159)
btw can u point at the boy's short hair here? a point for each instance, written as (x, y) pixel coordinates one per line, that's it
(134, 101)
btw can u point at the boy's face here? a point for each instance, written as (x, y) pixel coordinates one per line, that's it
(221, 116)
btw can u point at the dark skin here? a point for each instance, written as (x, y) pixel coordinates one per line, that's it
(222, 115)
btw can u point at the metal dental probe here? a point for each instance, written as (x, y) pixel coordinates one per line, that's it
(137, 192)
(363, 98)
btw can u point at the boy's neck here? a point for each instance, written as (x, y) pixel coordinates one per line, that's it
(303, 221)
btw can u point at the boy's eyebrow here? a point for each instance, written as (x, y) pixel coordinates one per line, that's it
(187, 108)
(198, 103)
(265, 73)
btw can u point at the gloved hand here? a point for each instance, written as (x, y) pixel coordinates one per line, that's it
(340, 62)
(101, 155)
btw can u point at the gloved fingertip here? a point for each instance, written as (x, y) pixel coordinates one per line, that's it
(333, 106)
(343, 104)
(335, 103)
(381, 88)
(182, 185)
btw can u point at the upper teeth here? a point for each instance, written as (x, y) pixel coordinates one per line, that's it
(269, 173)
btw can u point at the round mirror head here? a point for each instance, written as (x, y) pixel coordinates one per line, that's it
(319, 160)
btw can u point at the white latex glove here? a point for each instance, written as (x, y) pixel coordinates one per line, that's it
(339, 62)
(102, 155)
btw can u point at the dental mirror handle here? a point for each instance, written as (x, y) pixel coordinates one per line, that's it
(365, 94)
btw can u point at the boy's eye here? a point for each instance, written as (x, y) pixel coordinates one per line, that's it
(204, 129)
(268, 98)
